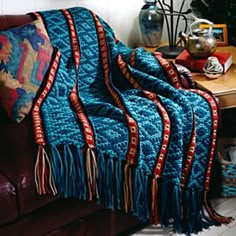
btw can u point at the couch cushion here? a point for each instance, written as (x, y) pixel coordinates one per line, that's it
(25, 55)
(8, 201)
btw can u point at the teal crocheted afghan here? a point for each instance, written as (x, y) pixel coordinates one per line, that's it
(116, 125)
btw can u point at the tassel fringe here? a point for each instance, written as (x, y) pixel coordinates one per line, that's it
(177, 211)
(92, 174)
(110, 184)
(141, 207)
(154, 214)
(118, 184)
(213, 214)
(187, 210)
(43, 174)
(101, 176)
(82, 189)
(128, 196)
(114, 194)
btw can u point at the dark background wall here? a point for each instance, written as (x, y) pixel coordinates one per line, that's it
(219, 12)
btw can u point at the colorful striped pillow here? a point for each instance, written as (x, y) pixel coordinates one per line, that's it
(25, 55)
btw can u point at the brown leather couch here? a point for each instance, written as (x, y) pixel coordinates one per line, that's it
(25, 213)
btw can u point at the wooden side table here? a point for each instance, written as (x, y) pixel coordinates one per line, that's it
(224, 87)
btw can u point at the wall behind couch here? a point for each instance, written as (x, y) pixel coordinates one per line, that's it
(122, 15)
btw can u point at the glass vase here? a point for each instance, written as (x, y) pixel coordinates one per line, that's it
(151, 23)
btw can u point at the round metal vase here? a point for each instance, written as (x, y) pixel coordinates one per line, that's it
(151, 23)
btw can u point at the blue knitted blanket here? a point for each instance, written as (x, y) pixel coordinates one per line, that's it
(116, 125)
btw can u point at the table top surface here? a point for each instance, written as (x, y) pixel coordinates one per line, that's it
(226, 83)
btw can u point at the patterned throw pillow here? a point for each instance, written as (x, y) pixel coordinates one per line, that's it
(25, 55)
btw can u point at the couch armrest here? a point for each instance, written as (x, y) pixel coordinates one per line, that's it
(7, 21)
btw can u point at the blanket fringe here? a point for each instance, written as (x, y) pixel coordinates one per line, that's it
(165, 204)
(70, 172)
(195, 206)
(101, 176)
(193, 219)
(118, 184)
(141, 207)
(70, 163)
(58, 168)
(154, 208)
(113, 172)
(187, 210)
(184, 209)
(43, 173)
(177, 211)
(81, 175)
(213, 214)
(128, 194)
(171, 211)
(92, 173)
(110, 184)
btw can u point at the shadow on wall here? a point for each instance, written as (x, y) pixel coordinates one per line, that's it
(135, 38)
